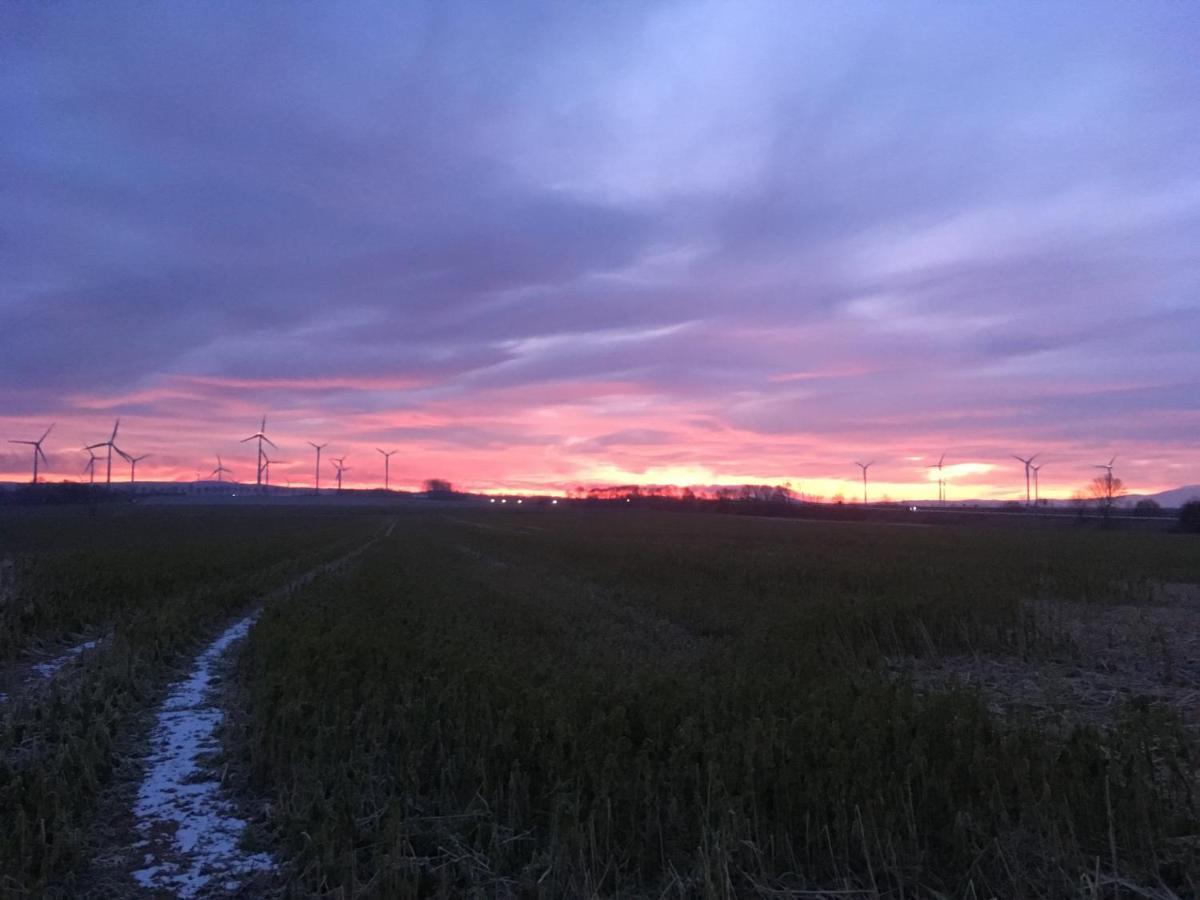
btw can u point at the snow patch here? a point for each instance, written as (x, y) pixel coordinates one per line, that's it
(191, 830)
(49, 668)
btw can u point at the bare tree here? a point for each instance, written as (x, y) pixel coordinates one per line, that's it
(1105, 490)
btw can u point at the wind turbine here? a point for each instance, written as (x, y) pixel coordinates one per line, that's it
(37, 451)
(1028, 463)
(1037, 494)
(220, 470)
(267, 470)
(941, 481)
(318, 448)
(90, 467)
(387, 460)
(864, 467)
(260, 436)
(133, 461)
(1108, 467)
(339, 463)
(111, 445)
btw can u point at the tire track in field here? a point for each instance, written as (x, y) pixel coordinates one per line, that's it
(189, 825)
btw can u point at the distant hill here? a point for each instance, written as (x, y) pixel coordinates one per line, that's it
(1172, 499)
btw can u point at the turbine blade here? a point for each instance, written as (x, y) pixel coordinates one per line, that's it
(34, 443)
(116, 425)
(39, 452)
(48, 430)
(269, 441)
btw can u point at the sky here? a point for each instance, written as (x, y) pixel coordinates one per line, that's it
(534, 246)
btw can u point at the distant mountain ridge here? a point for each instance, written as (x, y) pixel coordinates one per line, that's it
(1172, 499)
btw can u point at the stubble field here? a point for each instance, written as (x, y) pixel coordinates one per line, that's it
(572, 702)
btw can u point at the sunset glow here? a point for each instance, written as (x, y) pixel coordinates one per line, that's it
(699, 244)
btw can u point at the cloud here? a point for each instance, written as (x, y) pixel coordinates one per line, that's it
(533, 242)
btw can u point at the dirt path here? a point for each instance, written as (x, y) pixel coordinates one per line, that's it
(187, 828)
(190, 831)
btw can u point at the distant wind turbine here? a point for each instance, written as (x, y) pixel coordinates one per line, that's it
(1037, 494)
(37, 451)
(1028, 463)
(318, 448)
(941, 480)
(260, 436)
(90, 468)
(267, 469)
(110, 444)
(220, 470)
(387, 460)
(133, 461)
(339, 463)
(864, 467)
(1108, 467)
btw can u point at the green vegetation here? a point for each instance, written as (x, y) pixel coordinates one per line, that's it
(153, 582)
(608, 702)
(638, 704)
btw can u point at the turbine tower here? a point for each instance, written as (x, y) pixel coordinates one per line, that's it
(260, 436)
(387, 460)
(864, 467)
(220, 470)
(110, 444)
(1028, 463)
(133, 461)
(941, 480)
(318, 448)
(1037, 494)
(37, 451)
(90, 468)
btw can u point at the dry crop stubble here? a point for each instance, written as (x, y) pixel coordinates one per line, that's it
(654, 702)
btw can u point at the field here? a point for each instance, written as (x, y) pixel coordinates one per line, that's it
(573, 702)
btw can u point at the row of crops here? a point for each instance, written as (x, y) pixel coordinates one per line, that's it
(152, 585)
(575, 704)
